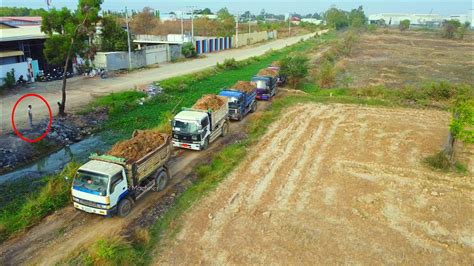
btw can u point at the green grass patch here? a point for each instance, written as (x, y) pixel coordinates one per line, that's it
(440, 161)
(54, 195)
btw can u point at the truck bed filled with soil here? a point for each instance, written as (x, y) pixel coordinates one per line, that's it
(210, 101)
(138, 146)
(267, 72)
(244, 86)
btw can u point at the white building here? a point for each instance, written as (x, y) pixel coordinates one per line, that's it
(433, 20)
(312, 20)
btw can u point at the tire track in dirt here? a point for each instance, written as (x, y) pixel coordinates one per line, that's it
(311, 181)
(288, 147)
(283, 156)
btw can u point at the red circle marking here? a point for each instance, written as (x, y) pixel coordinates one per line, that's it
(48, 129)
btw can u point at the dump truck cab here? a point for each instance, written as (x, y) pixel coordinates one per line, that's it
(266, 87)
(240, 103)
(190, 129)
(98, 187)
(195, 128)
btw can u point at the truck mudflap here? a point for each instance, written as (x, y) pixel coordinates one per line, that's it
(191, 146)
(104, 212)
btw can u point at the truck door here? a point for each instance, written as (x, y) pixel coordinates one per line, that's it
(204, 126)
(118, 188)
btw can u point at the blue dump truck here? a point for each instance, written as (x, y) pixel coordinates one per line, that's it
(242, 99)
(266, 81)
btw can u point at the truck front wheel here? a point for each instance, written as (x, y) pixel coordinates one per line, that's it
(161, 180)
(205, 144)
(124, 207)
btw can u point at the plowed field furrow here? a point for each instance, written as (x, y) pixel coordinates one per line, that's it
(339, 184)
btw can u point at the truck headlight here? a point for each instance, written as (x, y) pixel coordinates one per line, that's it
(107, 200)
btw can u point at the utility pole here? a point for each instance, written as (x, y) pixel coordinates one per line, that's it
(182, 26)
(289, 25)
(192, 21)
(128, 41)
(237, 31)
(249, 22)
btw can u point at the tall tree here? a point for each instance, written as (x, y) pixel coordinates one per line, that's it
(336, 18)
(68, 34)
(112, 36)
(357, 17)
(227, 20)
(144, 22)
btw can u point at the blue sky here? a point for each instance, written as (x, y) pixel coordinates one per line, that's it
(274, 6)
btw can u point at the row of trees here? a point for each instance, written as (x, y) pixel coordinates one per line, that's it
(20, 11)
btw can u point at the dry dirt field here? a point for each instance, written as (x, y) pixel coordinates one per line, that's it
(411, 58)
(334, 184)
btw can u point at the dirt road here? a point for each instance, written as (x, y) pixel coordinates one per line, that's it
(83, 90)
(67, 230)
(335, 184)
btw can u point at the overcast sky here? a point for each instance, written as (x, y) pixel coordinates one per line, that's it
(445, 7)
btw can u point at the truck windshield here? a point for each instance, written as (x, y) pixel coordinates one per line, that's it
(261, 84)
(233, 102)
(91, 182)
(185, 127)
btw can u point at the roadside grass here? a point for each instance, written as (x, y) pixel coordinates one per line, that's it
(53, 196)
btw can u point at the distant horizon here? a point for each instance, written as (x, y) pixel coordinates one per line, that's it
(302, 7)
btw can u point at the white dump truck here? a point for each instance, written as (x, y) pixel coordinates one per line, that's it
(194, 128)
(109, 185)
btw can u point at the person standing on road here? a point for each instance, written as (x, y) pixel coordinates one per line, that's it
(30, 116)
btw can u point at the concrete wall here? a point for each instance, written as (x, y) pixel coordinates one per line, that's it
(20, 69)
(147, 56)
(252, 38)
(157, 54)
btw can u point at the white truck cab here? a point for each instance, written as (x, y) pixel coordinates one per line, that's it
(99, 186)
(191, 130)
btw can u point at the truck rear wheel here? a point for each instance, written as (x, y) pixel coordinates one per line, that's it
(254, 107)
(124, 207)
(225, 129)
(161, 180)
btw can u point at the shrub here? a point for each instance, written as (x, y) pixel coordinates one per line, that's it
(404, 25)
(228, 64)
(372, 28)
(450, 27)
(295, 67)
(188, 50)
(10, 79)
(439, 161)
(326, 75)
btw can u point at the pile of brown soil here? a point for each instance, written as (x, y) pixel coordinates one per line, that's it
(244, 86)
(267, 72)
(210, 101)
(138, 146)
